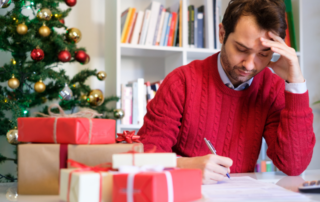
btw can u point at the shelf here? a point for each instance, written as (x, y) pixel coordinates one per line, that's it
(148, 51)
(200, 53)
(130, 126)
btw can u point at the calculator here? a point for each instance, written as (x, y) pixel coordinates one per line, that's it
(310, 187)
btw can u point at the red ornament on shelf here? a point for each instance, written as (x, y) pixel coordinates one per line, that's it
(64, 56)
(81, 56)
(37, 54)
(61, 21)
(70, 2)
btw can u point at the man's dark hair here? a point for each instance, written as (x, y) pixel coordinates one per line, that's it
(269, 15)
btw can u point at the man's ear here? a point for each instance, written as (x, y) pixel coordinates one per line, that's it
(222, 33)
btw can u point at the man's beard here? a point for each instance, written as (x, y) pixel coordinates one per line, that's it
(231, 71)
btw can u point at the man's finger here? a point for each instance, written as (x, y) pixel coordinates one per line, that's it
(217, 168)
(209, 175)
(221, 160)
(276, 37)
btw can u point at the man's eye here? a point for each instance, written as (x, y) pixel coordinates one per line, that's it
(263, 55)
(241, 50)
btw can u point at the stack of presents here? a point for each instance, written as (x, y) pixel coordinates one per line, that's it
(79, 159)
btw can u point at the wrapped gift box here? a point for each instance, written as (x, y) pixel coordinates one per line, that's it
(175, 185)
(39, 164)
(167, 160)
(85, 186)
(67, 130)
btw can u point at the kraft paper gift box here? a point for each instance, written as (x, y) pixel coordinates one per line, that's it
(67, 130)
(85, 186)
(39, 164)
(167, 160)
(174, 185)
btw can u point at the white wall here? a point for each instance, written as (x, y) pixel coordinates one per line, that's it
(311, 51)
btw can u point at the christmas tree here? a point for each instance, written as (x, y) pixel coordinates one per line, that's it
(33, 75)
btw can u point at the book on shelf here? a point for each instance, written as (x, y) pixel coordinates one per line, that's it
(200, 27)
(191, 26)
(292, 34)
(155, 8)
(145, 26)
(160, 27)
(137, 28)
(126, 20)
(195, 29)
(131, 27)
(166, 37)
(287, 38)
(173, 25)
(209, 31)
(135, 96)
(164, 28)
(176, 31)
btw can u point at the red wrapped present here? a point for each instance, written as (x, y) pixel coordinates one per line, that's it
(174, 185)
(67, 129)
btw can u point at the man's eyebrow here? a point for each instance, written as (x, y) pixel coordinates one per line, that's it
(240, 44)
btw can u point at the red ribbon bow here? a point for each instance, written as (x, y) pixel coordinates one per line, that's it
(82, 167)
(128, 136)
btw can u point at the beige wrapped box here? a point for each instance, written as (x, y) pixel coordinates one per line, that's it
(39, 164)
(85, 186)
(167, 160)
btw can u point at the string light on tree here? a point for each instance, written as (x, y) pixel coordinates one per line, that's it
(5, 3)
(95, 97)
(13, 61)
(101, 75)
(22, 29)
(39, 87)
(44, 14)
(73, 35)
(61, 21)
(13, 83)
(64, 56)
(44, 31)
(70, 2)
(37, 54)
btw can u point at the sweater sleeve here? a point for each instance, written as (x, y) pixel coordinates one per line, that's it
(164, 114)
(289, 132)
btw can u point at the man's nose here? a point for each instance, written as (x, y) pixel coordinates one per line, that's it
(248, 63)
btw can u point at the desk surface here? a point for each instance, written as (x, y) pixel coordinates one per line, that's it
(278, 178)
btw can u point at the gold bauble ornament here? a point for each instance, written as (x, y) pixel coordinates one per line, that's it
(13, 83)
(73, 35)
(22, 29)
(118, 113)
(12, 194)
(44, 14)
(95, 97)
(44, 31)
(13, 61)
(12, 136)
(101, 75)
(39, 87)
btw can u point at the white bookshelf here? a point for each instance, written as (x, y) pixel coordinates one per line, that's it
(126, 62)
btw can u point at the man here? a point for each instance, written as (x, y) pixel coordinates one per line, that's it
(233, 100)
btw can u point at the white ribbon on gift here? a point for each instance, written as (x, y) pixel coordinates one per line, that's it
(85, 113)
(133, 170)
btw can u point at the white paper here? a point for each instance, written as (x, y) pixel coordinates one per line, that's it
(249, 189)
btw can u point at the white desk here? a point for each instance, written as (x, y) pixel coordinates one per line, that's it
(278, 178)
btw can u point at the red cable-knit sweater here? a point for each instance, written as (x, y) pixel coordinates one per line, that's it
(193, 103)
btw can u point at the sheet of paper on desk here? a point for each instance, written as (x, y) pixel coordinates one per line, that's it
(248, 189)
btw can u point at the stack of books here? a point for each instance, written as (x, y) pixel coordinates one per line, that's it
(154, 26)
(134, 99)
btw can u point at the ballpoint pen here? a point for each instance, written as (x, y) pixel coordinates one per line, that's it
(213, 150)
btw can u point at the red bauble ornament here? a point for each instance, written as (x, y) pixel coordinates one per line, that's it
(87, 60)
(37, 54)
(81, 56)
(70, 2)
(64, 56)
(61, 21)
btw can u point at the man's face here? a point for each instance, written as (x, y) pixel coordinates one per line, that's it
(243, 56)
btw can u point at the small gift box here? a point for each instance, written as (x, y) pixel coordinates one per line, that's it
(167, 160)
(67, 129)
(86, 183)
(173, 185)
(39, 164)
